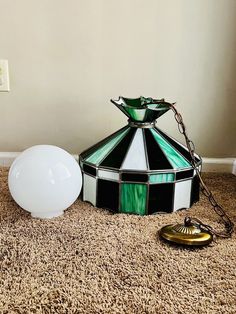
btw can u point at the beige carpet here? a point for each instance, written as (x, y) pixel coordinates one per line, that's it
(92, 261)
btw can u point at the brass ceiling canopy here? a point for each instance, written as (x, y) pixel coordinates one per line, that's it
(186, 234)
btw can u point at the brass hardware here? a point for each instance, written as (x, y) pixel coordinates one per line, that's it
(143, 125)
(184, 234)
(193, 231)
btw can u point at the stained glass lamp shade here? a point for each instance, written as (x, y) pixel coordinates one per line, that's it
(139, 169)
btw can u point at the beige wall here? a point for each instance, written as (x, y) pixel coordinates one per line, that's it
(67, 58)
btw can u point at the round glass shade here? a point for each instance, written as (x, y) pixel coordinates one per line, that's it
(45, 180)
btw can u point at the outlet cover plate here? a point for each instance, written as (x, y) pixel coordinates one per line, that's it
(4, 76)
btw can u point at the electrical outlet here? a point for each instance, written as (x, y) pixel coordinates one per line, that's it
(4, 76)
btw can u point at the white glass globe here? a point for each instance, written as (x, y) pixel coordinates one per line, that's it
(45, 180)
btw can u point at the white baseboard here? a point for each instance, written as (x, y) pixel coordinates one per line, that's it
(7, 158)
(234, 167)
(219, 165)
(209, 164)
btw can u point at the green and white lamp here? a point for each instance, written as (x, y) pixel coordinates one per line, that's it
(140, 169)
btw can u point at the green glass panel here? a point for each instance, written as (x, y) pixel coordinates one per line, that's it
(133, 102)
(142, 109)
(102, 151)
(136, 114)
(133, 198)
(176, 160)
(144, 102)
(162, 177)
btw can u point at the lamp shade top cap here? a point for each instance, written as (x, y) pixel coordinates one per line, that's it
(142, 109)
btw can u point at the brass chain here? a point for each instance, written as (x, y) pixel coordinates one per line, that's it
(228, 224)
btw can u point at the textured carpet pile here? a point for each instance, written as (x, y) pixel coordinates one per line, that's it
(92, 261)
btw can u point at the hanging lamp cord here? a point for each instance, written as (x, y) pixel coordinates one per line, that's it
(224, 218)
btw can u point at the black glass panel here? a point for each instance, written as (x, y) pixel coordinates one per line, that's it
(161, 198)
(90, 170)
(116, 157)
(195, 190)
(133, 102)
(135, 177)
(108, 194)
(181, 149)
(184, 174)
(156, 158)
(81, 195)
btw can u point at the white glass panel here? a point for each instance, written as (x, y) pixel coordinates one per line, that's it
(119, 101)
(182, 194)
(136, 159)
(90, 189)
(108, 175)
